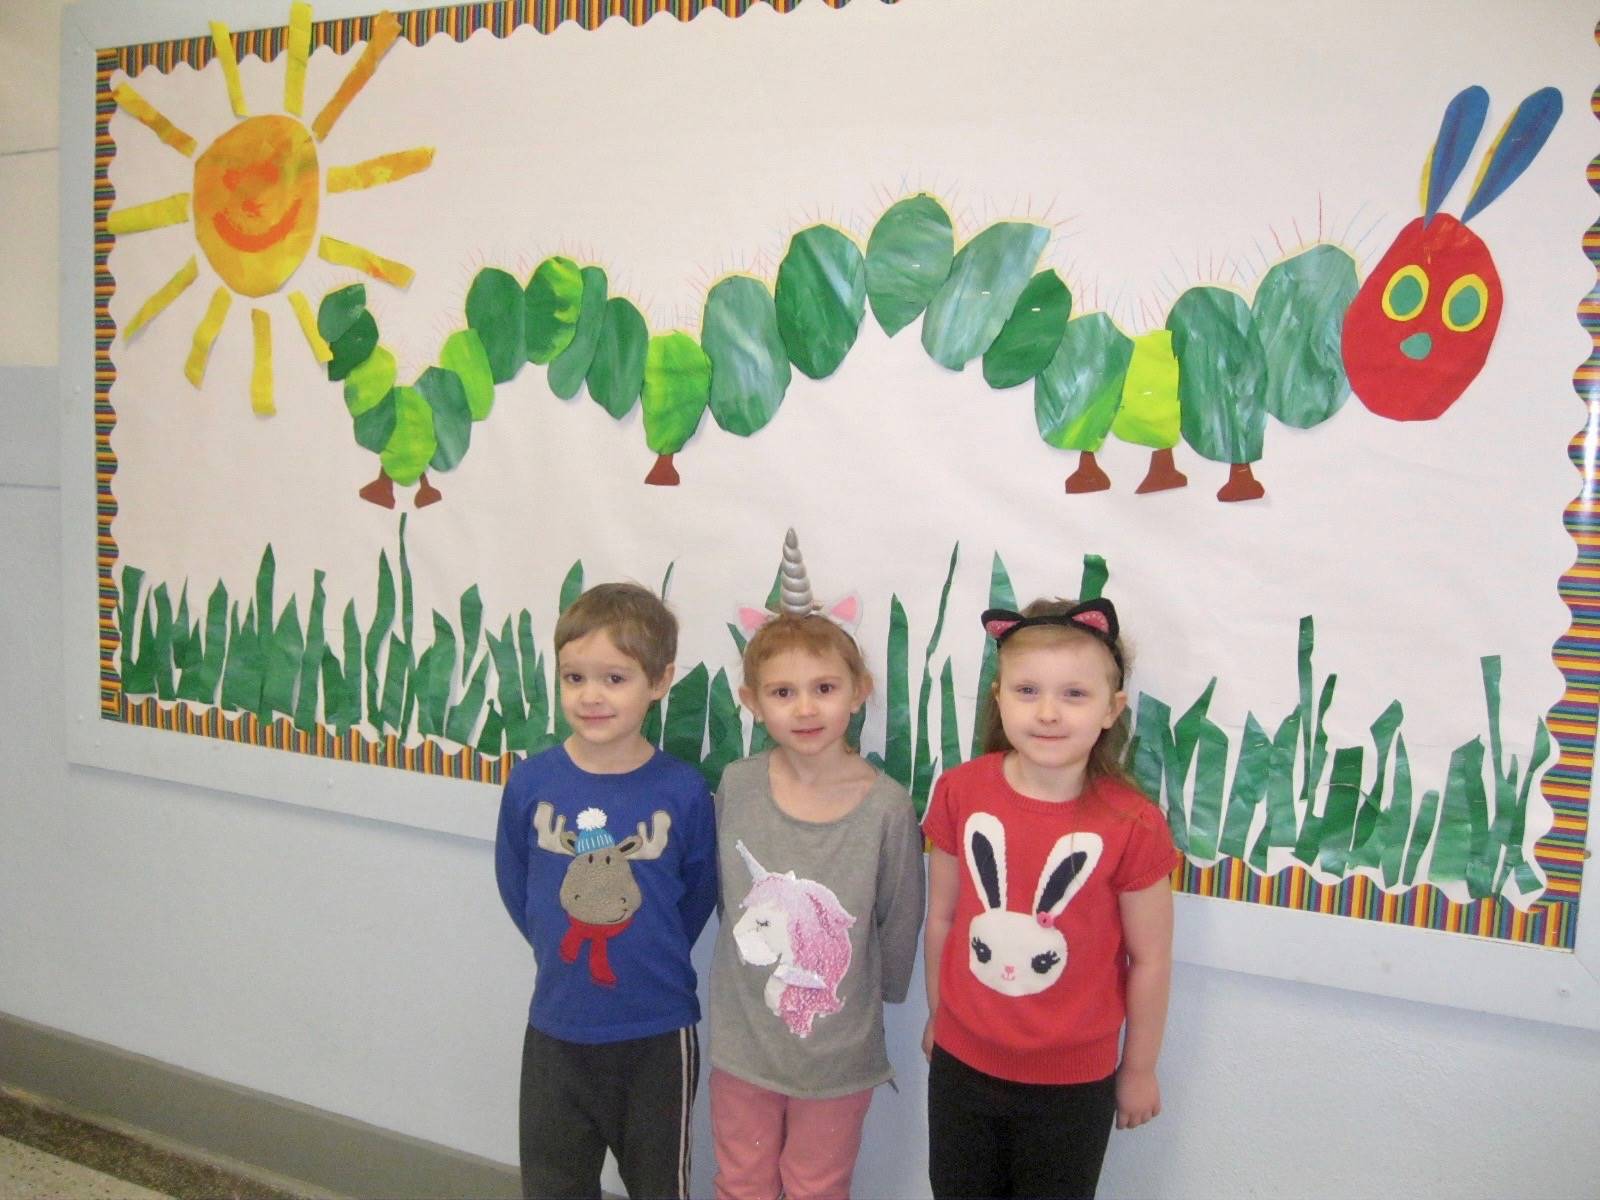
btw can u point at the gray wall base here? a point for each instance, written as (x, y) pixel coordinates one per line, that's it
(280, 1136)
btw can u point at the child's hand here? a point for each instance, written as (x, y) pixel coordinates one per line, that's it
(927, 1039)
(1138, 1097)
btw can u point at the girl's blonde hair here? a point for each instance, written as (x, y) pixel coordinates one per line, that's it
(1105, 759)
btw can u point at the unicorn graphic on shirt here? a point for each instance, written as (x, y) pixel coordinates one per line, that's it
(799, 928)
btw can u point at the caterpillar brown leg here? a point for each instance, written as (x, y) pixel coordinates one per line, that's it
(426, 493)
(1088, 477)
(1241, 485)
(1162, 475)
(380, 491)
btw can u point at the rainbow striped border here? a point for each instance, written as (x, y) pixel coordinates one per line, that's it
(1560, 855)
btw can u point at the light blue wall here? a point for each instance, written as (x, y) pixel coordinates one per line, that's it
(367, 968)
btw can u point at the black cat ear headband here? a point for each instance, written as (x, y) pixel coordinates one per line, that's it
(1097, 617)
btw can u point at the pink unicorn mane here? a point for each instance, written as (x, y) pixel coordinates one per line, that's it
(819, 936)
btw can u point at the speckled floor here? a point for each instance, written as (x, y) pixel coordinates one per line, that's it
(48, 1154)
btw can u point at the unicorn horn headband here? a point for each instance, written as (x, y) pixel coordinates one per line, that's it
(795, 597)
(1097, 617)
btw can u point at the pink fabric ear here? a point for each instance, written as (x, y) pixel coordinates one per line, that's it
(752, 619)
(1095, 620)
(998, 629)
(846, 611)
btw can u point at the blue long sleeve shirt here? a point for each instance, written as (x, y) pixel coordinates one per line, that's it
(611, 878)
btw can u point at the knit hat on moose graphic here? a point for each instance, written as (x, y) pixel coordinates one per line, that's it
(592, 833)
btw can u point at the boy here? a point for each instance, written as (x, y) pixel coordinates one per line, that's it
(606, 860)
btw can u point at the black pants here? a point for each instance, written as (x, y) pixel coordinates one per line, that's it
(991, 1137)
(634, 1097)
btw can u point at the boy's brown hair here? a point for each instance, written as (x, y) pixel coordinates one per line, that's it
(635, 618)
(1105, 759)
(815, 634)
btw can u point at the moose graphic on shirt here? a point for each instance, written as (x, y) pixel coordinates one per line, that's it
(599, 893)
(1022, 954)
(798, 927)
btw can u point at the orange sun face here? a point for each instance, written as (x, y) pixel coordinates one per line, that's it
(256, 190)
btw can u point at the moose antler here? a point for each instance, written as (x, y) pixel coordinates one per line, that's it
(552, 830)
(652, 844)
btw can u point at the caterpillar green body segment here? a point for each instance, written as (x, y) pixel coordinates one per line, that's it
(1299, 317)
(551, 307)
(1031, 336)
(986, 279)
(617, 371)
(369, 382)
(908, 256)
(452, 417)
(494, 313)
(1150, 414)
(374, 426)
(1078, 394)
(464, 354)
(821, 296)
(749, 365)
(571, 366)
(1222, 383)
(412, 444)
(677, 388)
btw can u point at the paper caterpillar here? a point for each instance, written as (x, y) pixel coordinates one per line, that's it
(1408, 341)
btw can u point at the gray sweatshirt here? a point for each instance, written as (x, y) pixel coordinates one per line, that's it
(819, 928)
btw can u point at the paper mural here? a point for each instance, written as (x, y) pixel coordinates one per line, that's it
(1346, 697)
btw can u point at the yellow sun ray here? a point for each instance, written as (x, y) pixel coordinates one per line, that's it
(347, 254)
(222, 46)
(141, 110)
(205, 333)
(137, 218)
(375, 172)
(320, 350)
(385, 29)
(163, 296)
(261, 374)
(294, 74)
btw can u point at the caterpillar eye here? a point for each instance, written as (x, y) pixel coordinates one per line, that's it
(1042, 963)
(981, 951)
(1466, 303)
(1406, 293)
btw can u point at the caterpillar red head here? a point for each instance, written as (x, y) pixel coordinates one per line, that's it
(1420, 328)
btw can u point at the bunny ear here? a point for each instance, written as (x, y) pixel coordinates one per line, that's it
(752, 619)
(1458, 133)
(985, 840)
(1072, 860)
(1523, 136)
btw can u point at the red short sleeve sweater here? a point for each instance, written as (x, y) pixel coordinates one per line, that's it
(1032, 980)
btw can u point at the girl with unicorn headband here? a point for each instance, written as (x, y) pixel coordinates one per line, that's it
(820, 861)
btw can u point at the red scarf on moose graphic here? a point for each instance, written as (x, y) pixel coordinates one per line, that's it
(597, 936)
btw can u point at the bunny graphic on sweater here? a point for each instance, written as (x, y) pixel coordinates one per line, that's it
(1022, 953)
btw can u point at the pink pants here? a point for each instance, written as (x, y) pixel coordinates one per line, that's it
(768, 1143)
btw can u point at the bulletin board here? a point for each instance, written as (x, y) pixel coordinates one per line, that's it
(386, 333)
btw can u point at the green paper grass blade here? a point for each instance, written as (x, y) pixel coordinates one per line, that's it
(923, 767)
(494, 313)
(677, 388)
(571, 366)
(1366, 850)
(749, 365)
(1299, 318)
(1092, 584)
(1394, 827)
(464, 716)
(1222, 381)
(908, 257)
(985, 281)
(1249, 788)
(464, 356)
(666, 580)
(127, 606)
(1154, 760)
(897, 714)
(571, 589)
(406, 606)
(435, 669)
(161, 645)
(241, 673)
(452, 416)
(333, 686)
(528, 659)
(396, 676)
(508, 687)
(1078, 393)
(1452, 841)
(550, 311)
(1283, 825)
(852, 731)
(1339, 816)
(1029, 339)
(199, 683)
(724, 731)
(377, 632)
(412, 445)
(471, 625)
(685, 730)
(305, 704)
(1001, 595)
(266, 579)
(1421, 835)
(1205, 811)
(616, 373)
(492, 739)
(651, 729)
(949, 731)
(350, 705)
(820, 298)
